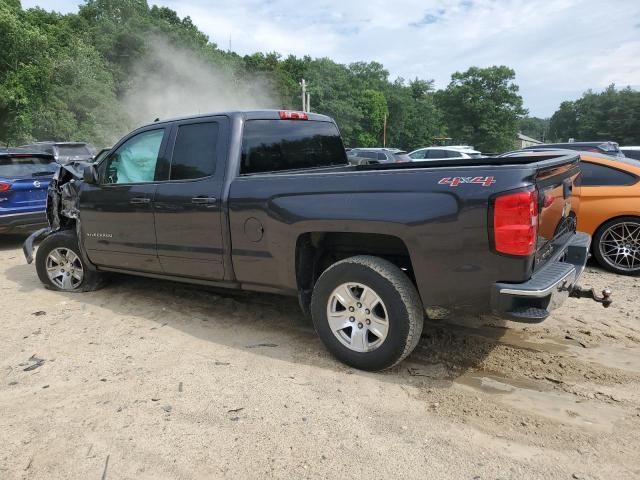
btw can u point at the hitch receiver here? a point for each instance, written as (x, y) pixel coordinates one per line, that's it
(578, 292)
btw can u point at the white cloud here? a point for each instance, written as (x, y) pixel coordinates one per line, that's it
(558, 48)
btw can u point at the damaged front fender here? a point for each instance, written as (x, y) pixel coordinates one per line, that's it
(27, 246)
(63, 200)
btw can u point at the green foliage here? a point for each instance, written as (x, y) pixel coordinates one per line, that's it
(54, 85)
(610, 115)
(69, 77)
(535, 127)
(482, 107)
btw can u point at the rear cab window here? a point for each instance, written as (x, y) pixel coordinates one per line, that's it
(277, 145)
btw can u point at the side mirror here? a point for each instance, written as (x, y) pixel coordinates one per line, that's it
(90, 174)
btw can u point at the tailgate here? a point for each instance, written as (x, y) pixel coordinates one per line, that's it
(558, 204)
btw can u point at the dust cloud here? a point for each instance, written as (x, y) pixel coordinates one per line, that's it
(171, 82)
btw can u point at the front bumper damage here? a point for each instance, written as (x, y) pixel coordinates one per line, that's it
(549, 287)
(63, 198)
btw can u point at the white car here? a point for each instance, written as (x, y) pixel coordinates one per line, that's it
(443, 153)
(631, 152)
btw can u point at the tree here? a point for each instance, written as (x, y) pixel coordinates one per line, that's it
(564, 122)
(482, 107)
(414, 118)
(373, 106)
(609, 115)
(535, 127)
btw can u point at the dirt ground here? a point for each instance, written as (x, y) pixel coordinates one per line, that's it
(148, 379)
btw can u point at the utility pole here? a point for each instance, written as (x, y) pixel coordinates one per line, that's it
(303, 84)
(384, 131)
(308, 102)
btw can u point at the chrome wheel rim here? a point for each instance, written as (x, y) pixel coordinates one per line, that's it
(620, 246)
(64, 269)
(358, 317)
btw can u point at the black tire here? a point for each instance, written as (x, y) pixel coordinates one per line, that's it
(597, 251)
(405, 313)
(67, 240)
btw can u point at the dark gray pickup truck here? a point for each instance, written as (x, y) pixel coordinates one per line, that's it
(267, 201)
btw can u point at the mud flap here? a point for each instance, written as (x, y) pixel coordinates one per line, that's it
(27, 246)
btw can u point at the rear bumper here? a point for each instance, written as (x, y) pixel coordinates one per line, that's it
(548, 288)
(22, 222)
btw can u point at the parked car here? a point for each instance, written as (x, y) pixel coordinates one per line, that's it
(631, 152)
(64, 152)
(606, 148)
(370, 156)
(24, 180)
(267, 201)
(610, 209)
(441, 153)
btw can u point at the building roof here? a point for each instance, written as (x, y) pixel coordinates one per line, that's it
(527, 139)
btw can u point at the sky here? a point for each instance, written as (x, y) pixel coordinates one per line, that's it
(558, 48)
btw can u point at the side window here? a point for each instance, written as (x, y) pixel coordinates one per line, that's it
(194, 153)
(599, 175)
(453, 154)
(135, 160)
(371, 155)
(419, 155)
(436, 154)
(382, 156)
(635, 154)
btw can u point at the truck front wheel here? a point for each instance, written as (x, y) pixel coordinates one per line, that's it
(367, 312)
(60, 265)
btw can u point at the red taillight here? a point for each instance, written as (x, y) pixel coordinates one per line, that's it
(515, 223)
(289, 115)
(4, 186)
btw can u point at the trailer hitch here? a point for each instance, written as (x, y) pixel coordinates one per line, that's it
(578, 292)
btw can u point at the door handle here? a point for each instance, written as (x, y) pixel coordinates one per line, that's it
(202, 200)
(139, 200)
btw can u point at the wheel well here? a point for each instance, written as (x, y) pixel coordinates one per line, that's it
(316, 251)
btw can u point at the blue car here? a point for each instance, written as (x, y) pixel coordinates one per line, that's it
(24, 180)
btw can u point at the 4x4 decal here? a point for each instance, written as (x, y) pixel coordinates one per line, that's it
(455, 181)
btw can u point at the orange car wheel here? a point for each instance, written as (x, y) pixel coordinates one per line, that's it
(616, 245)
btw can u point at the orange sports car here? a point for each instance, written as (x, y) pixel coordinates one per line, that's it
(609, 208)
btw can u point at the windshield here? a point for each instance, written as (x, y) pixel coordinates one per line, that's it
(74, 151)
(26, 166)
(610, 147)
(402, 157)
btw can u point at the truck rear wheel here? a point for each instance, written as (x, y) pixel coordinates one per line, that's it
(60, 265)
(367, 312)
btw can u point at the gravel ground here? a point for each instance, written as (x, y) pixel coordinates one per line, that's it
(151, 379)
